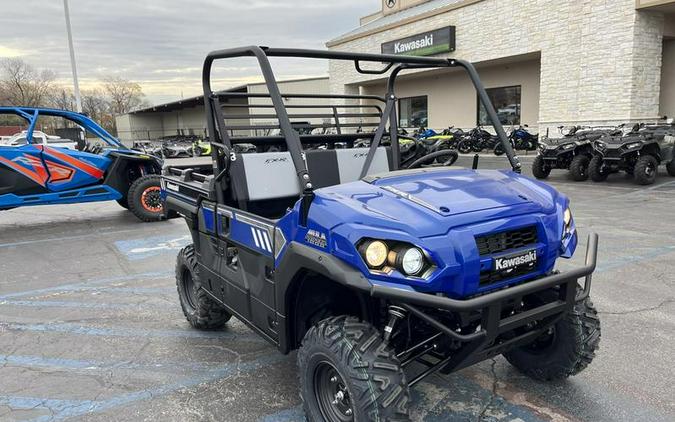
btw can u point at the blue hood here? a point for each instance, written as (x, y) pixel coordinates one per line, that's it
(428, 203)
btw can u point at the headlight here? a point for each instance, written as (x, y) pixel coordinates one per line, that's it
(386, 256)
(408, 260)
(542, 146)
(568, 146)
(633, 145)
(567, 220)
(375, 253)
(600, 145)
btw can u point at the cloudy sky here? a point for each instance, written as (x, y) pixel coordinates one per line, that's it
(161, 43)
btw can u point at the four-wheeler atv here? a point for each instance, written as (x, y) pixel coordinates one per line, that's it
(39, 174)
(379, 276)
(200, 147)
(639, 153)
(573, 152)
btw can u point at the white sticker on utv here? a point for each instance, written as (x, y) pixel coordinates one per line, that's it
(261, 239)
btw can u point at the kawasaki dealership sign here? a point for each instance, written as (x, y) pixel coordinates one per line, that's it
(425, 44)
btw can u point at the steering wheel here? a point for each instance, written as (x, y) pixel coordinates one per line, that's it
(447, 158)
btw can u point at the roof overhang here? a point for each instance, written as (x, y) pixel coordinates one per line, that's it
(666, 6)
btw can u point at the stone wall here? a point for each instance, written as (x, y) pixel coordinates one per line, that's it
(600, 59)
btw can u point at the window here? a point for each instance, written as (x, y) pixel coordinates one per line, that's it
(413, 112)
(20, 141)
(507, 103)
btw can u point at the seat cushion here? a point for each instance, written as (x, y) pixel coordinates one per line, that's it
(271, 175)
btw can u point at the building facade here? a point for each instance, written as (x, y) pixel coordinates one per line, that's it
(187, 117)
(545, 63)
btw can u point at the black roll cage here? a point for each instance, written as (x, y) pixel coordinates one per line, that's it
(222, 141)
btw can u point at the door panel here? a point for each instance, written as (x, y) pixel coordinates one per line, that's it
(70, 169)
(23, 171)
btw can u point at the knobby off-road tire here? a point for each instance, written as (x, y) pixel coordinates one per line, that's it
(346, 361)
(539, 168)
(201, 311)
(564, 352)
(646, 170)
(579, 168)
(670, 167)
(596, 171)
(144, 200)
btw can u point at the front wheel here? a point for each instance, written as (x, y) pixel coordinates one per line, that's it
(565, 349)
(540, 169)
(348, 373)
(144, 198)
(597, 170)
(579, 168)
(646, 169)
(670, 167)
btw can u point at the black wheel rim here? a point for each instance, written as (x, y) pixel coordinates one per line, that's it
(331, 394)
(650, 170)
(189, 289)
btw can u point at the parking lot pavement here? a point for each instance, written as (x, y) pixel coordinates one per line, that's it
(91, 329)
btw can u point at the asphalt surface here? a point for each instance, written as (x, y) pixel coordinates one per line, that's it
(91, 328)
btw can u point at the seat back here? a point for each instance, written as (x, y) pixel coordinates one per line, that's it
(264, 180)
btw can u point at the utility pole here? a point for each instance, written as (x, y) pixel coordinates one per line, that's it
(76, 85)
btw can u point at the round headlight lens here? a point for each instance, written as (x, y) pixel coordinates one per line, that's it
(376, 253)
(412, 261)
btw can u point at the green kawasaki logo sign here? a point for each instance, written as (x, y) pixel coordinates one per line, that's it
(425, 44)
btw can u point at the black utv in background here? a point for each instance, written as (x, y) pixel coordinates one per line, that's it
(639, 153)
(573, 152)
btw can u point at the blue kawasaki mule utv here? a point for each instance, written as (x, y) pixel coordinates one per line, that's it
(34, 171)
(378, 275)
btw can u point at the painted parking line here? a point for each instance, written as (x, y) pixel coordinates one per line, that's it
(147, 247)
(63, 364)
(75, 286)
(126, 332)
(84, 305)
(66, 238)
(65, 409)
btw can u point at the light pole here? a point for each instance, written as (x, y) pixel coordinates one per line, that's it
(76, 85)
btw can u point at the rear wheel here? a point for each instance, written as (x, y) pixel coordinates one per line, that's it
(565, 349)
(499, 150)
(465, 147)
(348, 373)
(596, 169)
(579, 168)
(646, 169)
(201, 311)
(144, 198)
(540, 169)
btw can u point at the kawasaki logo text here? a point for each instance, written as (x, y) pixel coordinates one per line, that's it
(506, 263)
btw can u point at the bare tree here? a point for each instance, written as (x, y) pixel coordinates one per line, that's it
(96, 106)
(62, 98)
(21, 84)
(123, 95)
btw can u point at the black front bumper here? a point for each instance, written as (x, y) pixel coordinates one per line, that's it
(490, 340)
